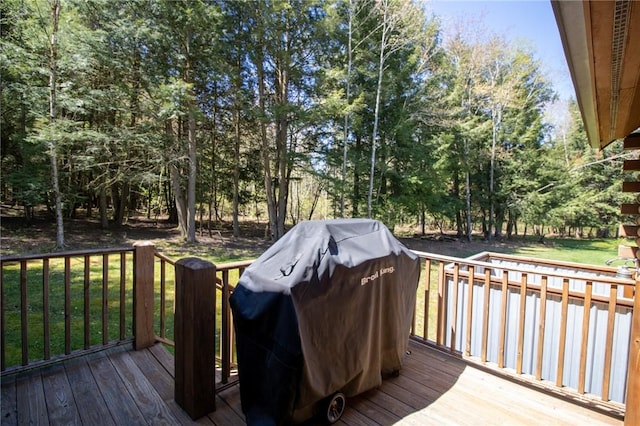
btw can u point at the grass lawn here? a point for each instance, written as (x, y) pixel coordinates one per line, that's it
(592, 252)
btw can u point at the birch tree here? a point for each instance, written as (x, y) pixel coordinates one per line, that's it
(53, 68)
(399, 23)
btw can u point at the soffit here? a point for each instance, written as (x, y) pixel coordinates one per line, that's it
(601, 40)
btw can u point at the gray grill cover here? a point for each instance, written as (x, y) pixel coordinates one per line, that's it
(352, 287)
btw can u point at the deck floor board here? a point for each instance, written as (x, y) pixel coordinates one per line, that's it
(137, 388)
(61, 404)
(87, 394)
(31, 405)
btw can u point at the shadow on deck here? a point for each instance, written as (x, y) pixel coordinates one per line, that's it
(121, 386)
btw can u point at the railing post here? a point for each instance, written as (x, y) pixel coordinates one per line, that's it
(195, 336)
(632, 413)
(143, 260)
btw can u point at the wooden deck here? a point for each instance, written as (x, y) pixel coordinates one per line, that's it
(118, 387)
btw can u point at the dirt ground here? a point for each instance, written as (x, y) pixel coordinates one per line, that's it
(16, 237)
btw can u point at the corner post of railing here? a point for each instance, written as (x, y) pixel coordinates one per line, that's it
(632, 413)
(143, 276)
(195, 334)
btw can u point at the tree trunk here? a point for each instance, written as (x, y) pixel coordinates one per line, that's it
(456, 194)
(55, 183)
(283, 178)
(214, 147)
(314, 203)
(467, 187)
(180, 202)
(268, 183)
(355, 204)
(496, 122)
(374, 138)
(236, 159)
(193, 161)
(347, 113)
(122, 205)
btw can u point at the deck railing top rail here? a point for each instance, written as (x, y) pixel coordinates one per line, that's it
(63, 254)
(489, 256)
(485, 264)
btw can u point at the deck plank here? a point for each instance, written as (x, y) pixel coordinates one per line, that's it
(32, 408)
(8, 400)
(120, 386)
(149, 402)
(382, 399)
(115, 393)
(61, 404)
(512, 403)
(155, 373)
(229, 400)
(163, 383)
(368, 408)
(87, 394)
(225, 415)
(164, 358)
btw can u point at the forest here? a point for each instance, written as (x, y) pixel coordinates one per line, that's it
(212, 111)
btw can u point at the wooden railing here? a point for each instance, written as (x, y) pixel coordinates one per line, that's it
(227, 275)
(525, 318)
(522, 317)
(64, 304)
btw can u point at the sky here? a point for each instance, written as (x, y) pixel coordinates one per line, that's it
(529, 20)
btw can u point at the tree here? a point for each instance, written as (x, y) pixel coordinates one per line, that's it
(184, 54)
(26, 176)
(400, 24)
(286, 45)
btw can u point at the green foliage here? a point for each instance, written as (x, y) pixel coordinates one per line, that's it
(276, 101)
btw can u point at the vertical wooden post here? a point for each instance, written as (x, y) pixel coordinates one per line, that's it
(442, 306)
(143, 259)
(632, 413)
(225, 345)
(195, 336)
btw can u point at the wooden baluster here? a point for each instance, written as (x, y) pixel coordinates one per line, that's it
(427, 295)
(23, 312)
(454, 311)
(67, 305)
(523, 310)
(87, 301)
(123, 295)
(504, 293)
(226, 328)
(541, 325)
(442, 305)
(467, 348)
(485, 314)
(586, 314)
(608, 347)
(163, 299)
(563, 332)
(105, 299)
(45, 309)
